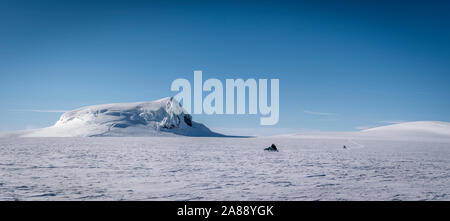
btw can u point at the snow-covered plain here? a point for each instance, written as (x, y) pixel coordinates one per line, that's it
(155, 151)
(196, 168)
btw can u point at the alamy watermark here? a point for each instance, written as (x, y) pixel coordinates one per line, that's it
(213, 102)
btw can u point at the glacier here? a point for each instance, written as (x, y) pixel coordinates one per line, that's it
(154, 151)
(164, 117)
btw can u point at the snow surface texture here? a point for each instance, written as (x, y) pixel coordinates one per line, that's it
(199, 168)
(163, 117)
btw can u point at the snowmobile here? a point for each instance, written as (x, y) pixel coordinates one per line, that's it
(272, 148)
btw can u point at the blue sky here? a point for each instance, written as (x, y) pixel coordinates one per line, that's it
(342, 66)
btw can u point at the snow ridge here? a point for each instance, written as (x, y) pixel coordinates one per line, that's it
(423, 127)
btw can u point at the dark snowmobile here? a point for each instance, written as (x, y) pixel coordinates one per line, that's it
(272, 148)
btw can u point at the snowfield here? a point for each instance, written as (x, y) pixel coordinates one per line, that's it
(196, 168)
(155, 151)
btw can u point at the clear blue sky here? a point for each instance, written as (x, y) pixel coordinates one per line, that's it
(341, 66)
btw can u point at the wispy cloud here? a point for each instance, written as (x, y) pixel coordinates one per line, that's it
(319, 113)
(42, 111)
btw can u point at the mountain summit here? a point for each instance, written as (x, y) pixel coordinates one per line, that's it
(163, 117)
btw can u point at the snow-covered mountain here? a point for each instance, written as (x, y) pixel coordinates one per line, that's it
(163, 117)
(417, 128)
